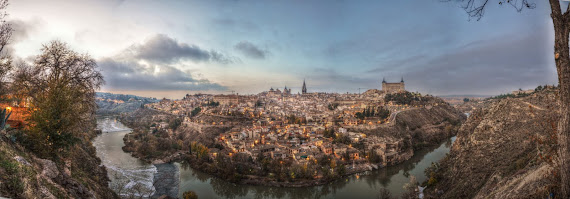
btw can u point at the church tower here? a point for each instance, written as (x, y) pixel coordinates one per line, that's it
(304, 90)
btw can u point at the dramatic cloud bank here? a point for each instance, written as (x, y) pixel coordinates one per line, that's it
(152, 66)
(165, 50)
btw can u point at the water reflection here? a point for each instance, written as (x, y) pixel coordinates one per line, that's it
(392, 178)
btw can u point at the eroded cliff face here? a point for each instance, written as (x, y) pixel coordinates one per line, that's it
(417, 128)
(23, 175)
(422, 126)
(431, 125)
(502, 151)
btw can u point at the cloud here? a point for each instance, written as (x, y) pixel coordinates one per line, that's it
(492, 66)
(21, 31)
(165, 50)
(130, 75)
(155, 65)
(250, 50)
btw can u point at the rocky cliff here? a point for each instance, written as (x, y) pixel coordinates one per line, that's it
(505, 150)
(23, 175)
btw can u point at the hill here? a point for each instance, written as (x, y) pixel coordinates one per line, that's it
(504, 150)
(110, 104)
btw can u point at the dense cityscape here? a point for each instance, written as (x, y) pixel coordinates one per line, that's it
(302, 128)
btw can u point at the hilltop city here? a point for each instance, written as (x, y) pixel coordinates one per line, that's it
(302, 127)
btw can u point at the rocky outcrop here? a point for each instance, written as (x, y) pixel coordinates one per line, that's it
(502, 151)
(23, 175)
(422, 127)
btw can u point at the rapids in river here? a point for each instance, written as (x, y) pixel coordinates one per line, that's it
(129, 175)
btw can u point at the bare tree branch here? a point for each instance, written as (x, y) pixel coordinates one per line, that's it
(476, 8)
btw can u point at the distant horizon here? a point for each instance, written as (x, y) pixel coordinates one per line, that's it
(174, 95)
(170, 47)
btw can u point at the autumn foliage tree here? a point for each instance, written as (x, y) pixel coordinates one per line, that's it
(561, 21)
(61, 87)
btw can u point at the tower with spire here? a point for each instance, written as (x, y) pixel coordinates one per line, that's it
(304, 90)
(286, 91)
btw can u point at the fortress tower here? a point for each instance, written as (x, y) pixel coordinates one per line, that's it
(393, 87)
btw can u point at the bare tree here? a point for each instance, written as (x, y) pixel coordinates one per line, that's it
(5, 36)
(561, 21)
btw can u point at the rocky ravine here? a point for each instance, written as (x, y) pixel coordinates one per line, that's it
(497, 155)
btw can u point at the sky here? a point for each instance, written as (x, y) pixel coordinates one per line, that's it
(169, 48)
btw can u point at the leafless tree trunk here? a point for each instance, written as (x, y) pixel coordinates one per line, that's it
(562, 58)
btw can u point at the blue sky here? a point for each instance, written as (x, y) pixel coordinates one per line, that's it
(168, 48)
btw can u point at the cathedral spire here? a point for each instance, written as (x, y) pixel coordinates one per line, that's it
(402, 79)
(304, 90)
(383, 80)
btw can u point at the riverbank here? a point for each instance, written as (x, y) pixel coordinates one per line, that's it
(360, 185)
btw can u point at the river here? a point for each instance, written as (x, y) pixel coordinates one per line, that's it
(129, 176)
(127, 172)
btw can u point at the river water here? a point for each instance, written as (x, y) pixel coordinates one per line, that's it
(129, 176)
(127, 172)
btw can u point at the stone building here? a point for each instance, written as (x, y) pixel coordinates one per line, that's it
(226, 99)
(286, 91)
(393, 87)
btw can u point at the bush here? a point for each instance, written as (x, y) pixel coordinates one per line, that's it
(11, 178)
(432, 173)
(189, 195)
(400, 98)
(175, 123)
(195, 111)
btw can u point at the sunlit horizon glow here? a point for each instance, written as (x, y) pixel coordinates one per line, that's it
(170, 48)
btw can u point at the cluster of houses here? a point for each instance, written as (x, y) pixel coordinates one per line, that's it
(301, 143)
(285, 125)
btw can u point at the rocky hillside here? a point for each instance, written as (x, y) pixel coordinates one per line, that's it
(423, 126)
(502, 151)
(23, 175)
